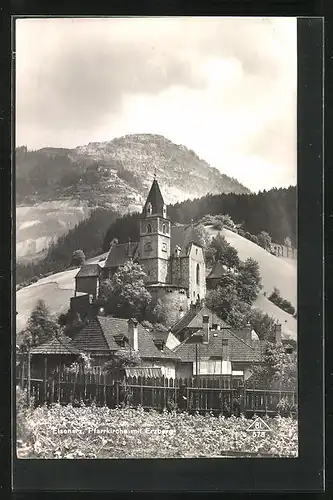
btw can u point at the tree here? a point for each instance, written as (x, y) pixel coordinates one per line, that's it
(224, 252)
(224, 300)
(120, 360)
(261, 323)
(249, 281)
(264, 240)
(78, 258)
(277, 368)
(125, 295)
(41, 326)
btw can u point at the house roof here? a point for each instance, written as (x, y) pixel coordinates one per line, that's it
(238, 349)
(120, 253)
(88, 270)
(155, 198)
(193, 320)
(183, 236)
(55, 346)
(100, 335)
(217, 271)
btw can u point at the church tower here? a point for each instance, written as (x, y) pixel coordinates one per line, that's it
(155, 236)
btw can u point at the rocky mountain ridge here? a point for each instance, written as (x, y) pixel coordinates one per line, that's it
(115, 174)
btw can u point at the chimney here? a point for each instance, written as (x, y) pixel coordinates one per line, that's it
(205, 327)
(133, 334)
(278, 331)
(248, 330)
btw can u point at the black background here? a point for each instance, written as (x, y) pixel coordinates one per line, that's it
(242, 475)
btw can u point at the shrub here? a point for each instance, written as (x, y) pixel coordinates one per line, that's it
(283, 304)
(78, 258)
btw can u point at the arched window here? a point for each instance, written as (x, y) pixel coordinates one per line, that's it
(164, 228)
(149, 209)
(198, 274)
(149, 228)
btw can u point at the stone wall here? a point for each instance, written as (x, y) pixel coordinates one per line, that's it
(180, 271)
(174, 303)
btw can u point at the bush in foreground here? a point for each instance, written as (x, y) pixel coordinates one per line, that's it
(100, 432)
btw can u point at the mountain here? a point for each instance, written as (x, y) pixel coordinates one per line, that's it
(57, 187)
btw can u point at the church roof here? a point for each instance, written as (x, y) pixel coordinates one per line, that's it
(120, 253)
(155, 198)
(88, 270)
(217, 271)
(182, 236)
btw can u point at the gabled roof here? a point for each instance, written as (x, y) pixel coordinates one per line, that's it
(120, 253)
(100, 336)
(238, 349)
(182, 236)
(193, 320)
(155, 198)
(88, 270)
(56, 346)
(217, 271)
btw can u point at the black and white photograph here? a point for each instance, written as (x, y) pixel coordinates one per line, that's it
(156, 238)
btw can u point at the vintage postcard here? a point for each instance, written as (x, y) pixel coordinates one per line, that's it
(156, 238)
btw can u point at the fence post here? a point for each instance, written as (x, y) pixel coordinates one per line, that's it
(28, 376)
(59, 368)
(45, 378)
(22, 372)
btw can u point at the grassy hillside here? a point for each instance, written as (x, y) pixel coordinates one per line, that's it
(275, 271)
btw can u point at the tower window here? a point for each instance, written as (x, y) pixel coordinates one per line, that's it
(198, 274)
(164, 247)
(164, 210)
(149, 208)
(149, 228)
(164, 228)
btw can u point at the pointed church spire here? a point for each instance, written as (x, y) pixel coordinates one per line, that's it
(154, 204)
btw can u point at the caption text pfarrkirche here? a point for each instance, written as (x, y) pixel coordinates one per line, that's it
(110, 430)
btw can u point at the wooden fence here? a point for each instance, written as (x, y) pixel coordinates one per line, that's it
(224, 395)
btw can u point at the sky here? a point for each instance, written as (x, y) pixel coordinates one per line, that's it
(224, 87)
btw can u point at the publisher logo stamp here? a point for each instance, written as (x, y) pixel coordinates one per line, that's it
(259, 427)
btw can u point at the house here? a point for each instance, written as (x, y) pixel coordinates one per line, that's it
(57, 352)
(216, 351)
(171, 255)
(105, 335)
(87, 279)
(215, 275)
(192, 321)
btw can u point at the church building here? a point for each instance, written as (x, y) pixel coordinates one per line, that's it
(171, 255)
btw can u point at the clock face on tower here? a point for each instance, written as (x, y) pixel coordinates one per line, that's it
(148, 247)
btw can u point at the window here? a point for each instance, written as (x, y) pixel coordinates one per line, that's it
(198, 274)
(164, 210)
(149, 228)
(149, 208)
(164, 247)
(164, 228)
